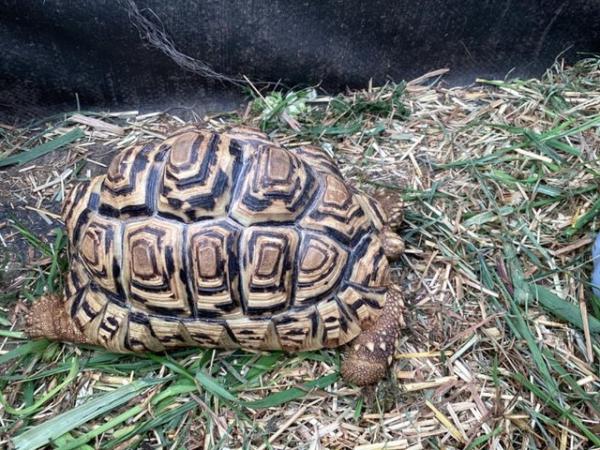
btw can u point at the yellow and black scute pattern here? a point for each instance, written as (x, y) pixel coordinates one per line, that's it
(222, 240)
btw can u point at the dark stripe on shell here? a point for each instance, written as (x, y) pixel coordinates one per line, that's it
(184, 271)
(154, 181)
(94, 201)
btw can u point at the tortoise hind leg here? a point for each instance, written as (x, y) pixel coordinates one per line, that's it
(48, 318)
(368, 357)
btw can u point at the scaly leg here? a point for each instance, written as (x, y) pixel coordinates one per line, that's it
(368, 357)
(48, 318)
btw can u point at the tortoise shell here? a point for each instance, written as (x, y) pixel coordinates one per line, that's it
(223, 240)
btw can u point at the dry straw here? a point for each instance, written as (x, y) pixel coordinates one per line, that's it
(500, 184)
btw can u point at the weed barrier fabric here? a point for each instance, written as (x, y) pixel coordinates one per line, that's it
(58, 55)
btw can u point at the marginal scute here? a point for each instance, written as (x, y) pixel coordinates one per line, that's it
(141, 336)
(211, 333)
(368, 266)
(86, 306)
(78, 205)
(373, 209)
(109, 328)
(255, 334)
(300, 329)
(340, 325)
(318, 159)
(276, 186)
(365, 304)
(77, 278)
(170, 332)
(76, 196)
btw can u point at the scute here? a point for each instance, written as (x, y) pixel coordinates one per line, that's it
(321, 264)
(129, 188)
(340, 326)
(336, 212)
(255, 333)
(153, 267)
(300, 330)
(373, 209)
(110, 327)
(209, 333)
(86, 305)
(368, 266)
(267, 260)
(214, 268)
(78, 206)
(365, 304)
(77, 279)
(223, 240)
(317, 159)
(199, 174)
(276, 186)
(100, 251)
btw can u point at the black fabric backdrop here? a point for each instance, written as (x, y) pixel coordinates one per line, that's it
(55, 49)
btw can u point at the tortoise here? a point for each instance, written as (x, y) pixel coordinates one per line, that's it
(227, 240)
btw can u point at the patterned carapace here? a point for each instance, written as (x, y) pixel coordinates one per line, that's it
(223, 240)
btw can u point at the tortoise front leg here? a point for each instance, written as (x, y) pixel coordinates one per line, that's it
(368, 357)
(48, 318)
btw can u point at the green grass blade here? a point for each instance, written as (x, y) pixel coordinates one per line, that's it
(25, 349)
(478, 443)
(32, 239)
(167, 362)
(564, 412)
(584, 219)
(84, 438)
(279, 398)
(562, 308)
(65, 442)
(170, 415)
(264, 364)
(552, 134)
(183, 387)
(521, 294)
(46, 432)
(212, 386)
(487, 216)
(27, 411)
(535, 140)
(13, 334)
(41, 150)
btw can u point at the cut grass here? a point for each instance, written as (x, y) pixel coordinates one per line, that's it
(501, 184)
(42, 149)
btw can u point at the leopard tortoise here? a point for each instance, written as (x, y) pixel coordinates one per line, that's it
(227, 240)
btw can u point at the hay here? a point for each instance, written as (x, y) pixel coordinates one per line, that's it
(500, 181)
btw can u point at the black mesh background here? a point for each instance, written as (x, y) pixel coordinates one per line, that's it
(55, 49)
